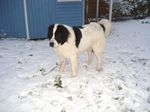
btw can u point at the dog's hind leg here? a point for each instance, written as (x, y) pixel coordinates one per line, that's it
(90, 56)
(98, 50)
(99, 61)
(62, 64)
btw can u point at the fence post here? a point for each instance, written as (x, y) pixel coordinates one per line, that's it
(26, 19)
(110, 9)
(97, 10)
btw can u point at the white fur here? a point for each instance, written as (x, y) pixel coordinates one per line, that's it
(93, 39)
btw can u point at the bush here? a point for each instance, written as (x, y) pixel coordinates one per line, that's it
(131, 8)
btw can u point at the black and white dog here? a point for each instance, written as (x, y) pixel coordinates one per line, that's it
(69, 41)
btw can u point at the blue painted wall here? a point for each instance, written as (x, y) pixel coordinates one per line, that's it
(12, 18)
(70, 13)
(41, 13)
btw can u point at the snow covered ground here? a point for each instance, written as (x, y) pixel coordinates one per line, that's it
(30, 82)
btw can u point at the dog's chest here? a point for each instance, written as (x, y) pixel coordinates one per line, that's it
(66, 51)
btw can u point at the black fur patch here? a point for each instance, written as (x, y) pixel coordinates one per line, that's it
(50, 31)
(103, 27)
(78, 35)
(61, 34)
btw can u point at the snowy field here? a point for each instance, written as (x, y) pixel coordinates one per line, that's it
(30, 82)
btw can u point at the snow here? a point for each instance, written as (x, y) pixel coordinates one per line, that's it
(30, 81)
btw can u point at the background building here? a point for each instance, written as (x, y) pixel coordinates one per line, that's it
(31, 18)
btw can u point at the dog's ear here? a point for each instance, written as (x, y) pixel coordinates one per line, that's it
(50, 31)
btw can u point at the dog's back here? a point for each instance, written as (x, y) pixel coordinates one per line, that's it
(93, 33)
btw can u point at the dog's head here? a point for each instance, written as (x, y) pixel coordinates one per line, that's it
(57, 35)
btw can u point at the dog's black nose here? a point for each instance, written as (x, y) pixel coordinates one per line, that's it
(51, 44)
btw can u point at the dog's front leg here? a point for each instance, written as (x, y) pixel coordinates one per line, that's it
(73, 60)
(62, 64)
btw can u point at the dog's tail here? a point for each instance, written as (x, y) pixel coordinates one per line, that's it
(106, 25)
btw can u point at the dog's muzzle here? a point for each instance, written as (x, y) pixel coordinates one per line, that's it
(51, 44)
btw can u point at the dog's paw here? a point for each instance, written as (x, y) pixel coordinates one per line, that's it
(99, 69)
(74, 75)
(89, 62)
(62, 73)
